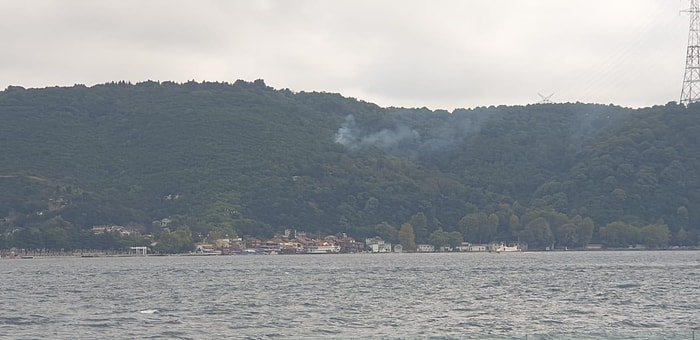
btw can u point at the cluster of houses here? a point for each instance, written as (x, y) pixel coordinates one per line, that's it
(115, 229)
(292, 242)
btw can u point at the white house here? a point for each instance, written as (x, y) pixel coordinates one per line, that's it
(425, 248)
(478, 247)
(380, 247)
(377, 245)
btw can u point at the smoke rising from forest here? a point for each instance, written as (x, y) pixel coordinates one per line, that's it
(354, 138)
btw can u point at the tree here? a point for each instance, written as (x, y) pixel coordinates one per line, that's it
(538, 234)
(249, 227)
(28, 238)
(681, 217)
(479, 227)
(407, 238)
(454, 239)
(387, 232)
(183, 221)
(491, 227)
(222, 211)
(618, 234)
(513, 224)
(584, 230)
(57, 238)
(646, 179)
(438, 238)
(174, 242)
(555, 219)
(655, 235)
(57, 233)
(682, 238)
(419, 223)
(469, 225)
(567, 235)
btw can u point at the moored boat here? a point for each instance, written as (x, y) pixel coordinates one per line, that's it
(502, 247)
(323, 249)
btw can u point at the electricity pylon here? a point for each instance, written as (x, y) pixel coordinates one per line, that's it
(691, 81)
(545, 99)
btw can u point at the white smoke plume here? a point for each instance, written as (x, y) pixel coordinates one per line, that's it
(350, 136)
(345, 135)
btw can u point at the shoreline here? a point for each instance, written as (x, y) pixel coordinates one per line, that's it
(31, 255)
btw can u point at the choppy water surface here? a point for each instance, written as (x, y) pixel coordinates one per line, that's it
(538, 295)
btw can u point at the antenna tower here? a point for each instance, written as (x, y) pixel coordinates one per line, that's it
(691, 81)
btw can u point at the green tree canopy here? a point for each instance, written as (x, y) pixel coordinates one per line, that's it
(407, 238)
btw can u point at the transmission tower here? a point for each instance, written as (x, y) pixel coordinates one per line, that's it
(691, 81)
(545, 99)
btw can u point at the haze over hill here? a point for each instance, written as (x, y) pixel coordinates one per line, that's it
(249, 159)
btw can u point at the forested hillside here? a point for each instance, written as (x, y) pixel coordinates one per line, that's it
(251, 160)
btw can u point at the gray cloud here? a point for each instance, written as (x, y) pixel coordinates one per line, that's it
(443, 54)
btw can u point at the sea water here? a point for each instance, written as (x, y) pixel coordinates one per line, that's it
(552, 295)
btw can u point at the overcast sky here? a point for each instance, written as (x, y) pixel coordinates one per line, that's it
(440, 54)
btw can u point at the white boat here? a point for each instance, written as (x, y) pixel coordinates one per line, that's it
(323, 249)
(503, 248)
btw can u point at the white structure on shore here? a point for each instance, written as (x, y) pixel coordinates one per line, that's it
(140, 250)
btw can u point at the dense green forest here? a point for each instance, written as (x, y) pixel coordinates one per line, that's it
(247, 159)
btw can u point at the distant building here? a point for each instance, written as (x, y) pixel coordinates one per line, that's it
(377, 245)
(114, 229)
(470, 247)
(425, 248)
(380, 248)
(290, 233)
(349, 245)
(463, 247)
(478, 247)
(205, 248)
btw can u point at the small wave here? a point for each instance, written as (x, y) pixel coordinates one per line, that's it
(327, 331)
(465, 309)
(99, 325)
(148, 311)
(639, 324)
(20, 321)
(577, 312)
(551, 321)
(628, 285)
